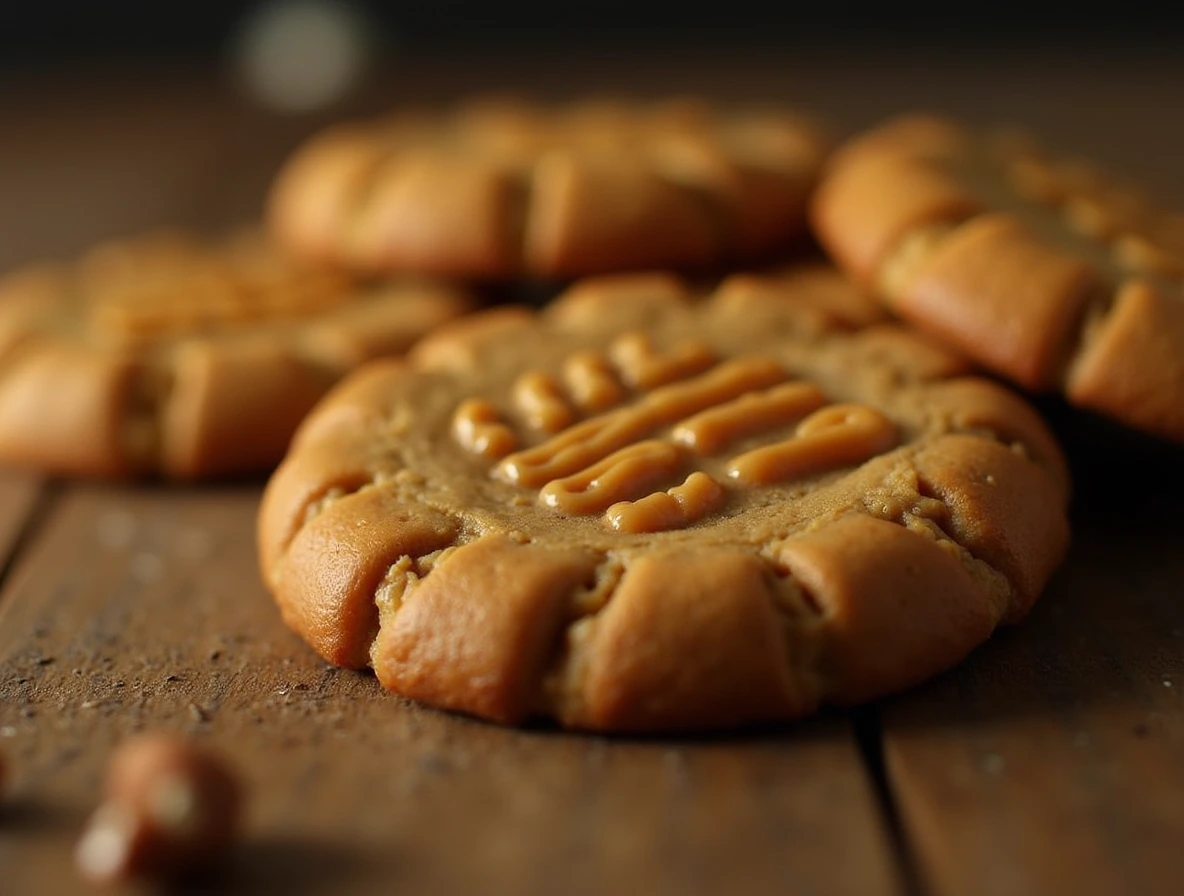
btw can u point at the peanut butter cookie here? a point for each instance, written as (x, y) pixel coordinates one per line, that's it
(641, 510)
(167, 355)
(500, 190)
(1041, 268)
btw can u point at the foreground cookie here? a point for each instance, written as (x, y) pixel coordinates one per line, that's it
(638, 512)
(1040, 268)
(164, 355)
(502, 191)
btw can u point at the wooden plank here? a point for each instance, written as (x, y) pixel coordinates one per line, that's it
(1053, 761)
(141, 609)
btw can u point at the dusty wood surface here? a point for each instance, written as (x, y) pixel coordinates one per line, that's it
(1053, 761)
(158, 621)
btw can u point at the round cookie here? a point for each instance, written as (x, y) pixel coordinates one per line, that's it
(1040, 268)
(167, 355)
(639, 510)
(502, 190)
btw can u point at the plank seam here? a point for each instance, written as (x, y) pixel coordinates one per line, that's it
(869, 737)
(48, 493)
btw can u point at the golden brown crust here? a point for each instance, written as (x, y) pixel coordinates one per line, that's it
(863, 210)
(63, 408)
(336, 563)
(458, 643)
(1147, 325)
(233, 407)
(668, 513)
(456, 344)
(668, 608)
(929, 360)
(334, 465)
(588, 215)
(1001, 508)
(1036, 295)
(499, 190)
(1041, 269)
(894, 608)
(977, 405)
(813, 286)
(329, 172)
(437, 217)
(586, 301)
(162, 355)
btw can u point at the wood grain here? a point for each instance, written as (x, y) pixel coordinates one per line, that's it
(140, 609)
(1053, 760)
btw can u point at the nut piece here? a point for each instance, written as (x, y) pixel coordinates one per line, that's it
(168, 807)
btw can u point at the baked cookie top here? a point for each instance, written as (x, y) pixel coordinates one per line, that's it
(1041, 268)
(500, 190)
(166, 354)
(645, 510)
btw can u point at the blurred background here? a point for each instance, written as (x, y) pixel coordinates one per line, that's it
(120, 115)
(54, 31)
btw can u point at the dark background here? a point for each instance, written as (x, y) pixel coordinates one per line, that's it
(52, 32)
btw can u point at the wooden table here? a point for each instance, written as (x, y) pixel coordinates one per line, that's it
(1051, 762)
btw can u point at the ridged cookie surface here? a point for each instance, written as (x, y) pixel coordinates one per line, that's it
(502, 190)
(642, 510)
(1043, 269)
(166, 355)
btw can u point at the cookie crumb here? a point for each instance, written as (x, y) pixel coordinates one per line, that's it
(168, 807)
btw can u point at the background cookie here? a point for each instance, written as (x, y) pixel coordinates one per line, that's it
(635, 511)
(166, 355)
(504, 190)
(1041, 268)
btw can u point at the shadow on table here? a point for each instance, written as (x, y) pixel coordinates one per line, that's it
(27, 816)
(290, 865)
